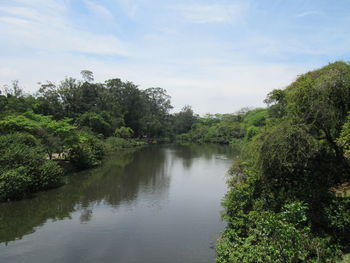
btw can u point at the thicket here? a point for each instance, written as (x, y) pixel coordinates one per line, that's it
(23, 168)
(280, 207)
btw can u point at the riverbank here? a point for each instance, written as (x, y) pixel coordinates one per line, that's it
(25, 169)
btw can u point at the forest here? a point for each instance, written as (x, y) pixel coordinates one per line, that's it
(287, 199)
(73, 125)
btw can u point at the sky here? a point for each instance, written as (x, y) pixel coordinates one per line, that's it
(217, 56)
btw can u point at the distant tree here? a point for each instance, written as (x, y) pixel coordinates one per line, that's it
(184, 119)
(14, 90)
(156, 115)
(48, 101)
(87, 75)
(95, 122)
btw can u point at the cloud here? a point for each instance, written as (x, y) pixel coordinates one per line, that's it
(213, 86)
(38, 26)
(98, 9)
(214, 68)
(308, 13)
(211, 13)
(130, 7)
(24, 12)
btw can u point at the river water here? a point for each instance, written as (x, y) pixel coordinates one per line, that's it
(155, 204)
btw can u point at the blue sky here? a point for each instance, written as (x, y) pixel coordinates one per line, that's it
(217, 56)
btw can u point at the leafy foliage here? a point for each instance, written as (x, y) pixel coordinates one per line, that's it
(87, 153)
(275, 237)
(296, 151)
(124, 132)
(344, 138)
(23, 168)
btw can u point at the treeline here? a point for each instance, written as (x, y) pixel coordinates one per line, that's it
(233, 129)
(281, 205)
(76, 122)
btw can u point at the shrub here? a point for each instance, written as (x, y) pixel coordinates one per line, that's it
(338, 214)
(48, 175)
(19, 149)
(271, 237)
(95, 122)
(23, 168)
(124, 132)
(88, 153)
(14, 184)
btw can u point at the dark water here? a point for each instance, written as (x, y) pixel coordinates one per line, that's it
(156, 204)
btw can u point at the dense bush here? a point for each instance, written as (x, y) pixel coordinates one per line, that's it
(20, 150)
(338, 214)
(23, 168)
(87, 153)
(47, 176)
(14, 183)
(124, 132)
(95, 122)
(270, 237)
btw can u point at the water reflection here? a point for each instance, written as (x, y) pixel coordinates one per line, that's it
(156, 204)
(189, 152)
(118, 180)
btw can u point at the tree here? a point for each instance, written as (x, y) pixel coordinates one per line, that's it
(49, 101)
(321, 99)
(23, 168)
(184, 120)
(87, 75)
(124, 132)
(95, 122)
(275, 238)
(55, 136)
(156, 118)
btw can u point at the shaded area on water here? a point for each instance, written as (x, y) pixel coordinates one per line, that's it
(139, 200)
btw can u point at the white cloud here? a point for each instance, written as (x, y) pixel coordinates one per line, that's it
(212, 71)
(38, 26)
(213, 87)
(308, 13)
(130, 7)
(24, 12)
(98, 9)
(211, 13)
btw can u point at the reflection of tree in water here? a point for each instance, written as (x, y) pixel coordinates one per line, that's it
(86, 215)
(118, 180)
(188, 153)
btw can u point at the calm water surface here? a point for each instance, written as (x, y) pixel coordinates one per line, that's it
(155, 204)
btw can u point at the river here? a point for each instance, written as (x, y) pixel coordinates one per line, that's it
(155, 204)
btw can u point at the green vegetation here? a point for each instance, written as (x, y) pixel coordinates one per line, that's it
(76, 123)
(279, 207)
(225, 128)
(23, 168)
